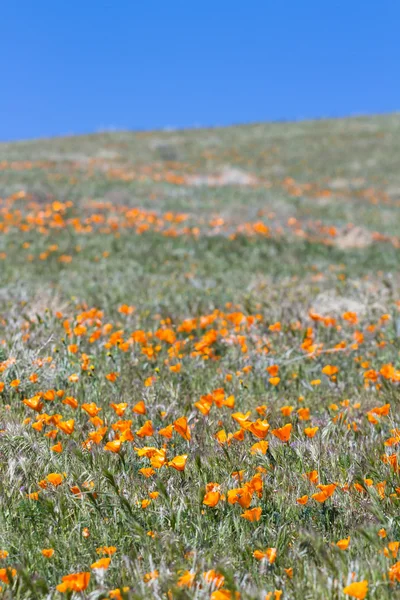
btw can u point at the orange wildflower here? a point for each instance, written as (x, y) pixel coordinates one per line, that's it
(179, 462)
(268, 554)
(181, 426)
(357, 590)
(253, 514)
(75, 582)
(283, 433)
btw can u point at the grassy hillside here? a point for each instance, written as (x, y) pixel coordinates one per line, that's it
(197, 329)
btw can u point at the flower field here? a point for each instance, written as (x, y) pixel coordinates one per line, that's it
(200, 364)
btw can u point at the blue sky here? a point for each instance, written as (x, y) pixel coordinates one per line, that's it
(76, 66)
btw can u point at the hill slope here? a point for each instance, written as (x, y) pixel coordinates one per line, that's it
(197, 329)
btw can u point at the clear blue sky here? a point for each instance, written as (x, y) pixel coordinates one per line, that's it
(75, 66)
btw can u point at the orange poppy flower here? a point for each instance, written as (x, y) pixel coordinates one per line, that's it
(211, 499)
(110, 550)
(67, 426)
(357, 590)
(241, 496)
(217, 579)
(139, 408)
(225, 595)
(4, 574)
(112, 376)
(119, 408)
(312, 476)
(310, 431)
(181, 426)
(70, 401)
(186, 579)
(102, 563)
(179, 462)
(268, 554)
(75, 582)
(253, 514)
(147, 471)
(55, 479)
(302, 500)
(304, 414)
(146, 430)
(330, 370)
(166, 431)
(343, 544)
(113, 446)
(35, 403)
(283, 433)
(92, 409)
(325, 493)
(394, 572)
(48, 552)
(259, 447)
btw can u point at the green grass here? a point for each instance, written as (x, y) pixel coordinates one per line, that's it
(59, 261)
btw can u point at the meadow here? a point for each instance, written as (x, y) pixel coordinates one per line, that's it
(200, 363)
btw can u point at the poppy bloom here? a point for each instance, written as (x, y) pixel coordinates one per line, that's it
(117, 593)
(48, 552)
(283, 433)
(259, 428)
(119, 408)
(259, 447)
(102, 563)
(34, 403)
(217, 579)
(312, 476)
(139, 408)
(394, 572)
(241, 496)
(325, 493)
(4, 574)
(310, 431)
(181, 426)
(179, 462)
(268, 554)
(186, 579)
(75, 582)
(147, 471)
(112, 377)
(113, 446)
(253, 514)
(343, 544)
(55, 479)
(330, 370)
(212, 498)
(357, 590)
(302, 500)
(146, 431)
(225, 595)
(166, 431)
(110, 550)
(67, 426)
(92, 409)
